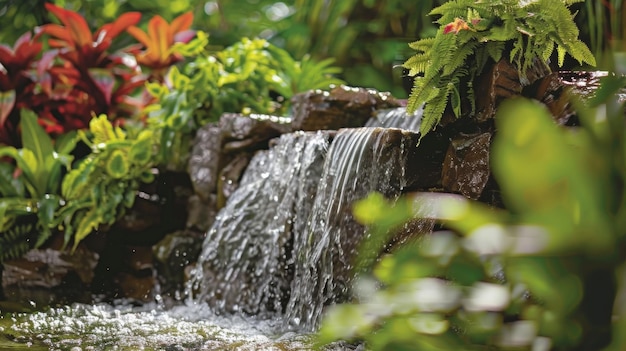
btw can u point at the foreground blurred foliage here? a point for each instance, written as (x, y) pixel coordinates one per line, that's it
(541, 275)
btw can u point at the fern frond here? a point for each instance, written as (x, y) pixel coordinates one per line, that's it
(424, 90)
(433, 110)
(460, 57)
(422, 45)
(548, 50)
(449, 11)
(442, 53)
(417, 64)
(16, 241)
(495, 49)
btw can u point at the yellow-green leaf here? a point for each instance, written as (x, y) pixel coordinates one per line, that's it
(117, 164)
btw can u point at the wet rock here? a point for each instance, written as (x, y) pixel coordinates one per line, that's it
(230, 176)
(136, 281)
(245, 260)
(502, 81)
(466, 165)
(242, 133)
(204, 161)
(201, 212)
(160, 207)
(342, 107)
(173, 255)
(557, 91)
(125, 271)
(551, 91)
(49, 275)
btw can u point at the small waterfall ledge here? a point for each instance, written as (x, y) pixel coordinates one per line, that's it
(284, 244)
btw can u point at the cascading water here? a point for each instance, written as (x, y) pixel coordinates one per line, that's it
(397, 118)
(244, 264)
(284, 244)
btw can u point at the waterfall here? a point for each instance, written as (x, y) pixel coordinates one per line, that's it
(397, 118)
(285, 243)
(359, 162)
(244, 263)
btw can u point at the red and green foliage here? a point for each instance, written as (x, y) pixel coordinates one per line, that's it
(67, 74)
(159, 40)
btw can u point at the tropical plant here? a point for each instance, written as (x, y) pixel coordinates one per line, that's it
(65, 75)
(251, 76)
(473, 33)
(30, 185)
(158, 42)
(539, 275)
(77, 74)
(105, 183)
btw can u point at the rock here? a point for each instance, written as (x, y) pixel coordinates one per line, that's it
(125, 271)
(201, 212)
(500, 82)
(230, 176)
(250, 132)
(172, 256)
(555, 90)
(342, 107)
(204, 160)
(49, 275)
(160, 207)
(466, 165)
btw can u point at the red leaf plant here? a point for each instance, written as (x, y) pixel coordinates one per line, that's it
(79, 77)
(15, 82)
(91, 80)
(159, 40)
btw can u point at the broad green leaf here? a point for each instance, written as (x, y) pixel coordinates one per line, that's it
(37, 141)
(10, 185)
(34, 137)
(65, 143)
(456, 211)
(27, 162)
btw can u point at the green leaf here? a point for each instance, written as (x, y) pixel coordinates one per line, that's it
(141, 150)
(78, 180)
(9, 185)
(88, 223)
(65, 143)
(117, 165)
(37, 142)
(34, 137)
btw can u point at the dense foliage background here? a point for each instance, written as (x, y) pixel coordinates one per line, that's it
(368, 38)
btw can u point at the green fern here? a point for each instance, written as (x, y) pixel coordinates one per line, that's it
(472, 33)
(16, 241)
